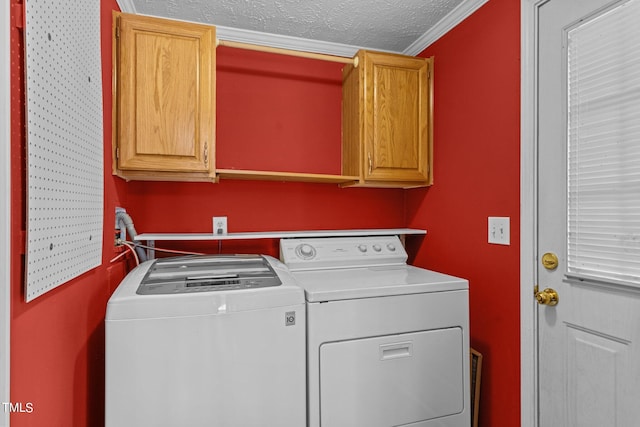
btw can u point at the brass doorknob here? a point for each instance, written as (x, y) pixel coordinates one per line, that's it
(547, 297)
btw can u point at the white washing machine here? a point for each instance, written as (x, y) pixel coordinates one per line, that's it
(206, 341)
(387, 343)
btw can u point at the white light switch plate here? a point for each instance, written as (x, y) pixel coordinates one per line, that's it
(499, 230)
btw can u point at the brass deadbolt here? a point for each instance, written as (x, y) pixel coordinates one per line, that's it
(550, 261)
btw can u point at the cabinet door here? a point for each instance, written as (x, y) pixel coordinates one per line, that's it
(164, 99)
(396, 118)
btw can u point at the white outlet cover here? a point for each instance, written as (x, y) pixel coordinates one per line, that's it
(219, 225)
(499, 227)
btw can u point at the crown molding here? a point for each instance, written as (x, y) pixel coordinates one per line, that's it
(459, 14)
(286, 42)
(464, 9)
(271, 40)
(126, 6)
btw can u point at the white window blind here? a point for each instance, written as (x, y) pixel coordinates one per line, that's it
(604, 146)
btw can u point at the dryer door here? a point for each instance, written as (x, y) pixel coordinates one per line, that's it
(392, 380)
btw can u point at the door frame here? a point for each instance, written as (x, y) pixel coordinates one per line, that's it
(528, 212)
(5, 202)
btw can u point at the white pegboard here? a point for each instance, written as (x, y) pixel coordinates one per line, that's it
(65, 166)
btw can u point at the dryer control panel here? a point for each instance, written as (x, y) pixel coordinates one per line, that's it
(341, 252)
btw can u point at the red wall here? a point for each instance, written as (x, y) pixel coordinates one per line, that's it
(477, 175)
(283, 113)
(273, 112)
(57, 340)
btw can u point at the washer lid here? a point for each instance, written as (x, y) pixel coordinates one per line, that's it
(128, 304)
(207, 273)
(368, 282)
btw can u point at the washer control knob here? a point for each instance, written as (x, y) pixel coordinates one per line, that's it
(377, 248)
(391, 247)
(362, 248)
(305, 251)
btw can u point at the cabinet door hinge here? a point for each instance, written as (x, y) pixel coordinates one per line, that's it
(117, 152)
(117, 31)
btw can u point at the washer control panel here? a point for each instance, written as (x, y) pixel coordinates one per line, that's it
(337, 252)
(207, 273)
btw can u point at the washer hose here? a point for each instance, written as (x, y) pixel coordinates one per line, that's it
(123, 219)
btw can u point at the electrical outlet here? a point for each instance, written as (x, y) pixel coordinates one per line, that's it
(499, 230)
(219, 225)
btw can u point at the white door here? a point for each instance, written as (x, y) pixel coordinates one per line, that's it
(5, 205)
(589, 213)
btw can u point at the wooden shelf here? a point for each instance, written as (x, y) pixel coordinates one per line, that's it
(285, 176)
(278, 234)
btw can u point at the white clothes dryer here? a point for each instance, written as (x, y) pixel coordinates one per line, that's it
(387, 342)
(206, 341)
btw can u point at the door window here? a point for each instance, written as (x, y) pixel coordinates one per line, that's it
(604, 146)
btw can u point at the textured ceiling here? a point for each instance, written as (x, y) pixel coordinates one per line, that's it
(388, 25)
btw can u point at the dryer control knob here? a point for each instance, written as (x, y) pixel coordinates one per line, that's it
(305, 251)
(391, 247)
(362, 248)
(377, 248)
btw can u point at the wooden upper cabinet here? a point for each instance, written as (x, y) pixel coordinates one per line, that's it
(386, 119)
(164, 99)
